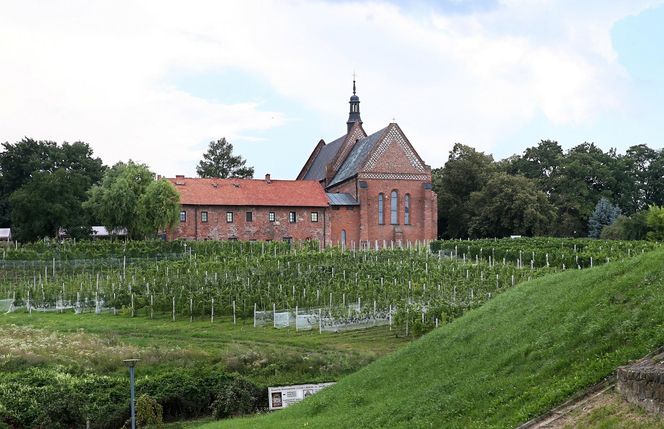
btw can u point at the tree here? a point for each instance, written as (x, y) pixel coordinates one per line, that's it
(465, 172)
(655, 221)
(540, 163)
(509, 205)
(48, 202)
(129, 198)
(19, 162)
(43, 185)
(158, 207)
(604, 214)
(586, 174)
(219, 161)
(632, 227)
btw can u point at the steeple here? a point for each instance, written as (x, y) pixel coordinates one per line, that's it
(354, 114)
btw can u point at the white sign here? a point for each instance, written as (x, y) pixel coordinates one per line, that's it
(283, 396)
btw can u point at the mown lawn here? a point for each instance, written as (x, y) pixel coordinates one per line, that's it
(522, 353)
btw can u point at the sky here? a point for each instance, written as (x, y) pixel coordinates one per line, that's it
(156, 81)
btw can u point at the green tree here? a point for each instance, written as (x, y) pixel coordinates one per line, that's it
(540, 163)
(21, 161)
(604, 214)
(122, 199)
(42, 187)
(586, 174)
(510, 205)
(158, 207)
(47, 202)
(655, 222)
(465, 172)
(219, 161)
(638, 160)
(632, 227)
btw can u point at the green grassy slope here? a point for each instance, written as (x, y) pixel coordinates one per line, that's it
(512, 359)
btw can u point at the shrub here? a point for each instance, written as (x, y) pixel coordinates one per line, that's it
(184, 393)
(238, 397)
(149, 412)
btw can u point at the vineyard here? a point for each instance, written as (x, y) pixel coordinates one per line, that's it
(413, 288)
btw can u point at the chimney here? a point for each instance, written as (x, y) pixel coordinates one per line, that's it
(268, 180)
(179, 176)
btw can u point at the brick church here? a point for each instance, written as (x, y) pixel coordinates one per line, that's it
(358, 190)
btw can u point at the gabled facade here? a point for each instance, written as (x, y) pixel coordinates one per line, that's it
(385, 177)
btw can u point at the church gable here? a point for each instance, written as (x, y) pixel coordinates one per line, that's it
(394, 154)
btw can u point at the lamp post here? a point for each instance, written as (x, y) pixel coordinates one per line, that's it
(131, 363)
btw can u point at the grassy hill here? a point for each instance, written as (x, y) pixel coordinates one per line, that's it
(522, 353)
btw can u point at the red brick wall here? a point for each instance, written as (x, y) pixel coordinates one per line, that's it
(345, 218)
(260, 228)
(423, 213)
(348, 187)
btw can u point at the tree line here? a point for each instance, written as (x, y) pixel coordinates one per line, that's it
(580, 192)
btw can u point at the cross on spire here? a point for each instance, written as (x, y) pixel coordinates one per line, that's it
(354, 76)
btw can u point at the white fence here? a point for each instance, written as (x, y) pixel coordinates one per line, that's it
(324, 319)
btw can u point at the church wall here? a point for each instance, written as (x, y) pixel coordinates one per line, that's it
(422, 211)
(259, 228)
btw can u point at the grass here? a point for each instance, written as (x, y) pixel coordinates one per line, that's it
(517, 356)
(98, 343)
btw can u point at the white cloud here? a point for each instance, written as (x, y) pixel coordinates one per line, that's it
(98, 71)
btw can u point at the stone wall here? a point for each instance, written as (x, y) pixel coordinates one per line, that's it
(642, 383)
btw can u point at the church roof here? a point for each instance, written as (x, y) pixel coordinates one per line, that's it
(357, 157)
(325, 156)
(250, 192)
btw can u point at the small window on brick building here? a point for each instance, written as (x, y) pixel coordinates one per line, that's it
(381, 208)
(406, 209)
(314, 216)
(250, 217)
(292, 217)
(204, 217)
(229, 217)
(183, 216)
(271, 217)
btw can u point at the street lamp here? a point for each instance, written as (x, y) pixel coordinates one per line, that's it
(131, 363)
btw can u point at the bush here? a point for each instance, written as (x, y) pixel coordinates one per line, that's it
(185, 393)
(655, 221)
(149, 412)
(238, 397)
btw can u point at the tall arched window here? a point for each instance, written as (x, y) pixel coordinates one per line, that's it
(406, 209)
(394, 204)
(343, 237)
(381, 205)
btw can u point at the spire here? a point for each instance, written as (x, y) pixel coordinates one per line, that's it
(354, 114)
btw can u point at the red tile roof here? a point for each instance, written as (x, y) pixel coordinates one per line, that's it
(250, 192)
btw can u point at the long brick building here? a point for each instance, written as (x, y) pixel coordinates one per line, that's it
(357, 190)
